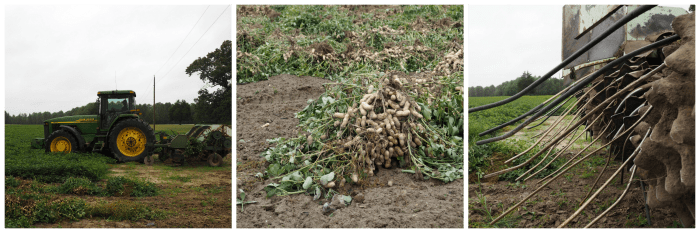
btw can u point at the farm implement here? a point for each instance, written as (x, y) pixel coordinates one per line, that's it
(205, 142)
(119, 131)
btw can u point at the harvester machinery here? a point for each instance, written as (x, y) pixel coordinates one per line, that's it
(206, 142)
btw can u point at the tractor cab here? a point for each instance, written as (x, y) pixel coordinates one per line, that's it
(112, 104)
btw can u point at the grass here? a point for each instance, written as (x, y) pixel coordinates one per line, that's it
(125, 210)
(489, 214)
(180, 129)
(183, 179)
(481, 160)
(639, 221)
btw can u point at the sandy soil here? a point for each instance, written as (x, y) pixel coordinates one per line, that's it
(407, 203)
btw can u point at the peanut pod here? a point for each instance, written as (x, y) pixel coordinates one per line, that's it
(339, 115)
(398, 151)
(402, 113)
(397, 123)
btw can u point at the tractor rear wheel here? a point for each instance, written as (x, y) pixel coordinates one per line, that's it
(61, 141)
(129, 138)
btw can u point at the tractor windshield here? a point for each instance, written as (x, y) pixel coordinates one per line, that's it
(118, 104)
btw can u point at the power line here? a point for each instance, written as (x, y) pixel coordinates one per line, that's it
(183, 40)
(195, 43)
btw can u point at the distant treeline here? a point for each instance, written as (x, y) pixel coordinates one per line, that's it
(508, 88)
(166, 113)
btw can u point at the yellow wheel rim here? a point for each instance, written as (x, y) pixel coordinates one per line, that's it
(131, 141)
(60, 144)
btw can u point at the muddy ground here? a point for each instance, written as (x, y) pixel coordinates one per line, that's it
(407, 203)
(194, 195)
(555, 203)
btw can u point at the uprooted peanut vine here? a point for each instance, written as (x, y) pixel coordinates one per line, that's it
(370, 121)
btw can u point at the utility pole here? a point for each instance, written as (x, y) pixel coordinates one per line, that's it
(154, 102)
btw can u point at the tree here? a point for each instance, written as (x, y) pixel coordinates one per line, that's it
(214, 69)
(180, 111)
(524, 81)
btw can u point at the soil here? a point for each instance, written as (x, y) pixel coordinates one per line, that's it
(555, 203)
(406, 203)
(203, 201)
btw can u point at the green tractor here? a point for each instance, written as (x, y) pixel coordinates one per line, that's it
(117, 129)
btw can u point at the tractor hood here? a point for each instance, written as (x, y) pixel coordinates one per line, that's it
(74, 119)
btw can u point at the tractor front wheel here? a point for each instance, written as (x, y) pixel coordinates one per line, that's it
(129, 138)
(61, 141)
(215, 160)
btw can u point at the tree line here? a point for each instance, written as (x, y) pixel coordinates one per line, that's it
(166, 113)
(508, 88)
(208, 108)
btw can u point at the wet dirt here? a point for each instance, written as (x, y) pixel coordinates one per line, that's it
(202, 199)
(555, 203)
(406, 203)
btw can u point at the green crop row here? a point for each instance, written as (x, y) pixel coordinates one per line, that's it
(28, 202)
(480, 156)
(22, 161)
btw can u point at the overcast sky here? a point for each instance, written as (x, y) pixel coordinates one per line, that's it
(59, 57)
(506, 40)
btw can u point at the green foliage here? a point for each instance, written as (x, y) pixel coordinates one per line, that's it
(509, 88)
(22, 161)
(25, 207)
(123, 186)
(124, 210)
(11, 181)
(456, 12)
(180, 112)
(80, 186)
(639, 221)
(194, 147)
(268, 47)
(293, 161)
(479, 155)
(510, 149)
(215, 70)
(52, 211)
